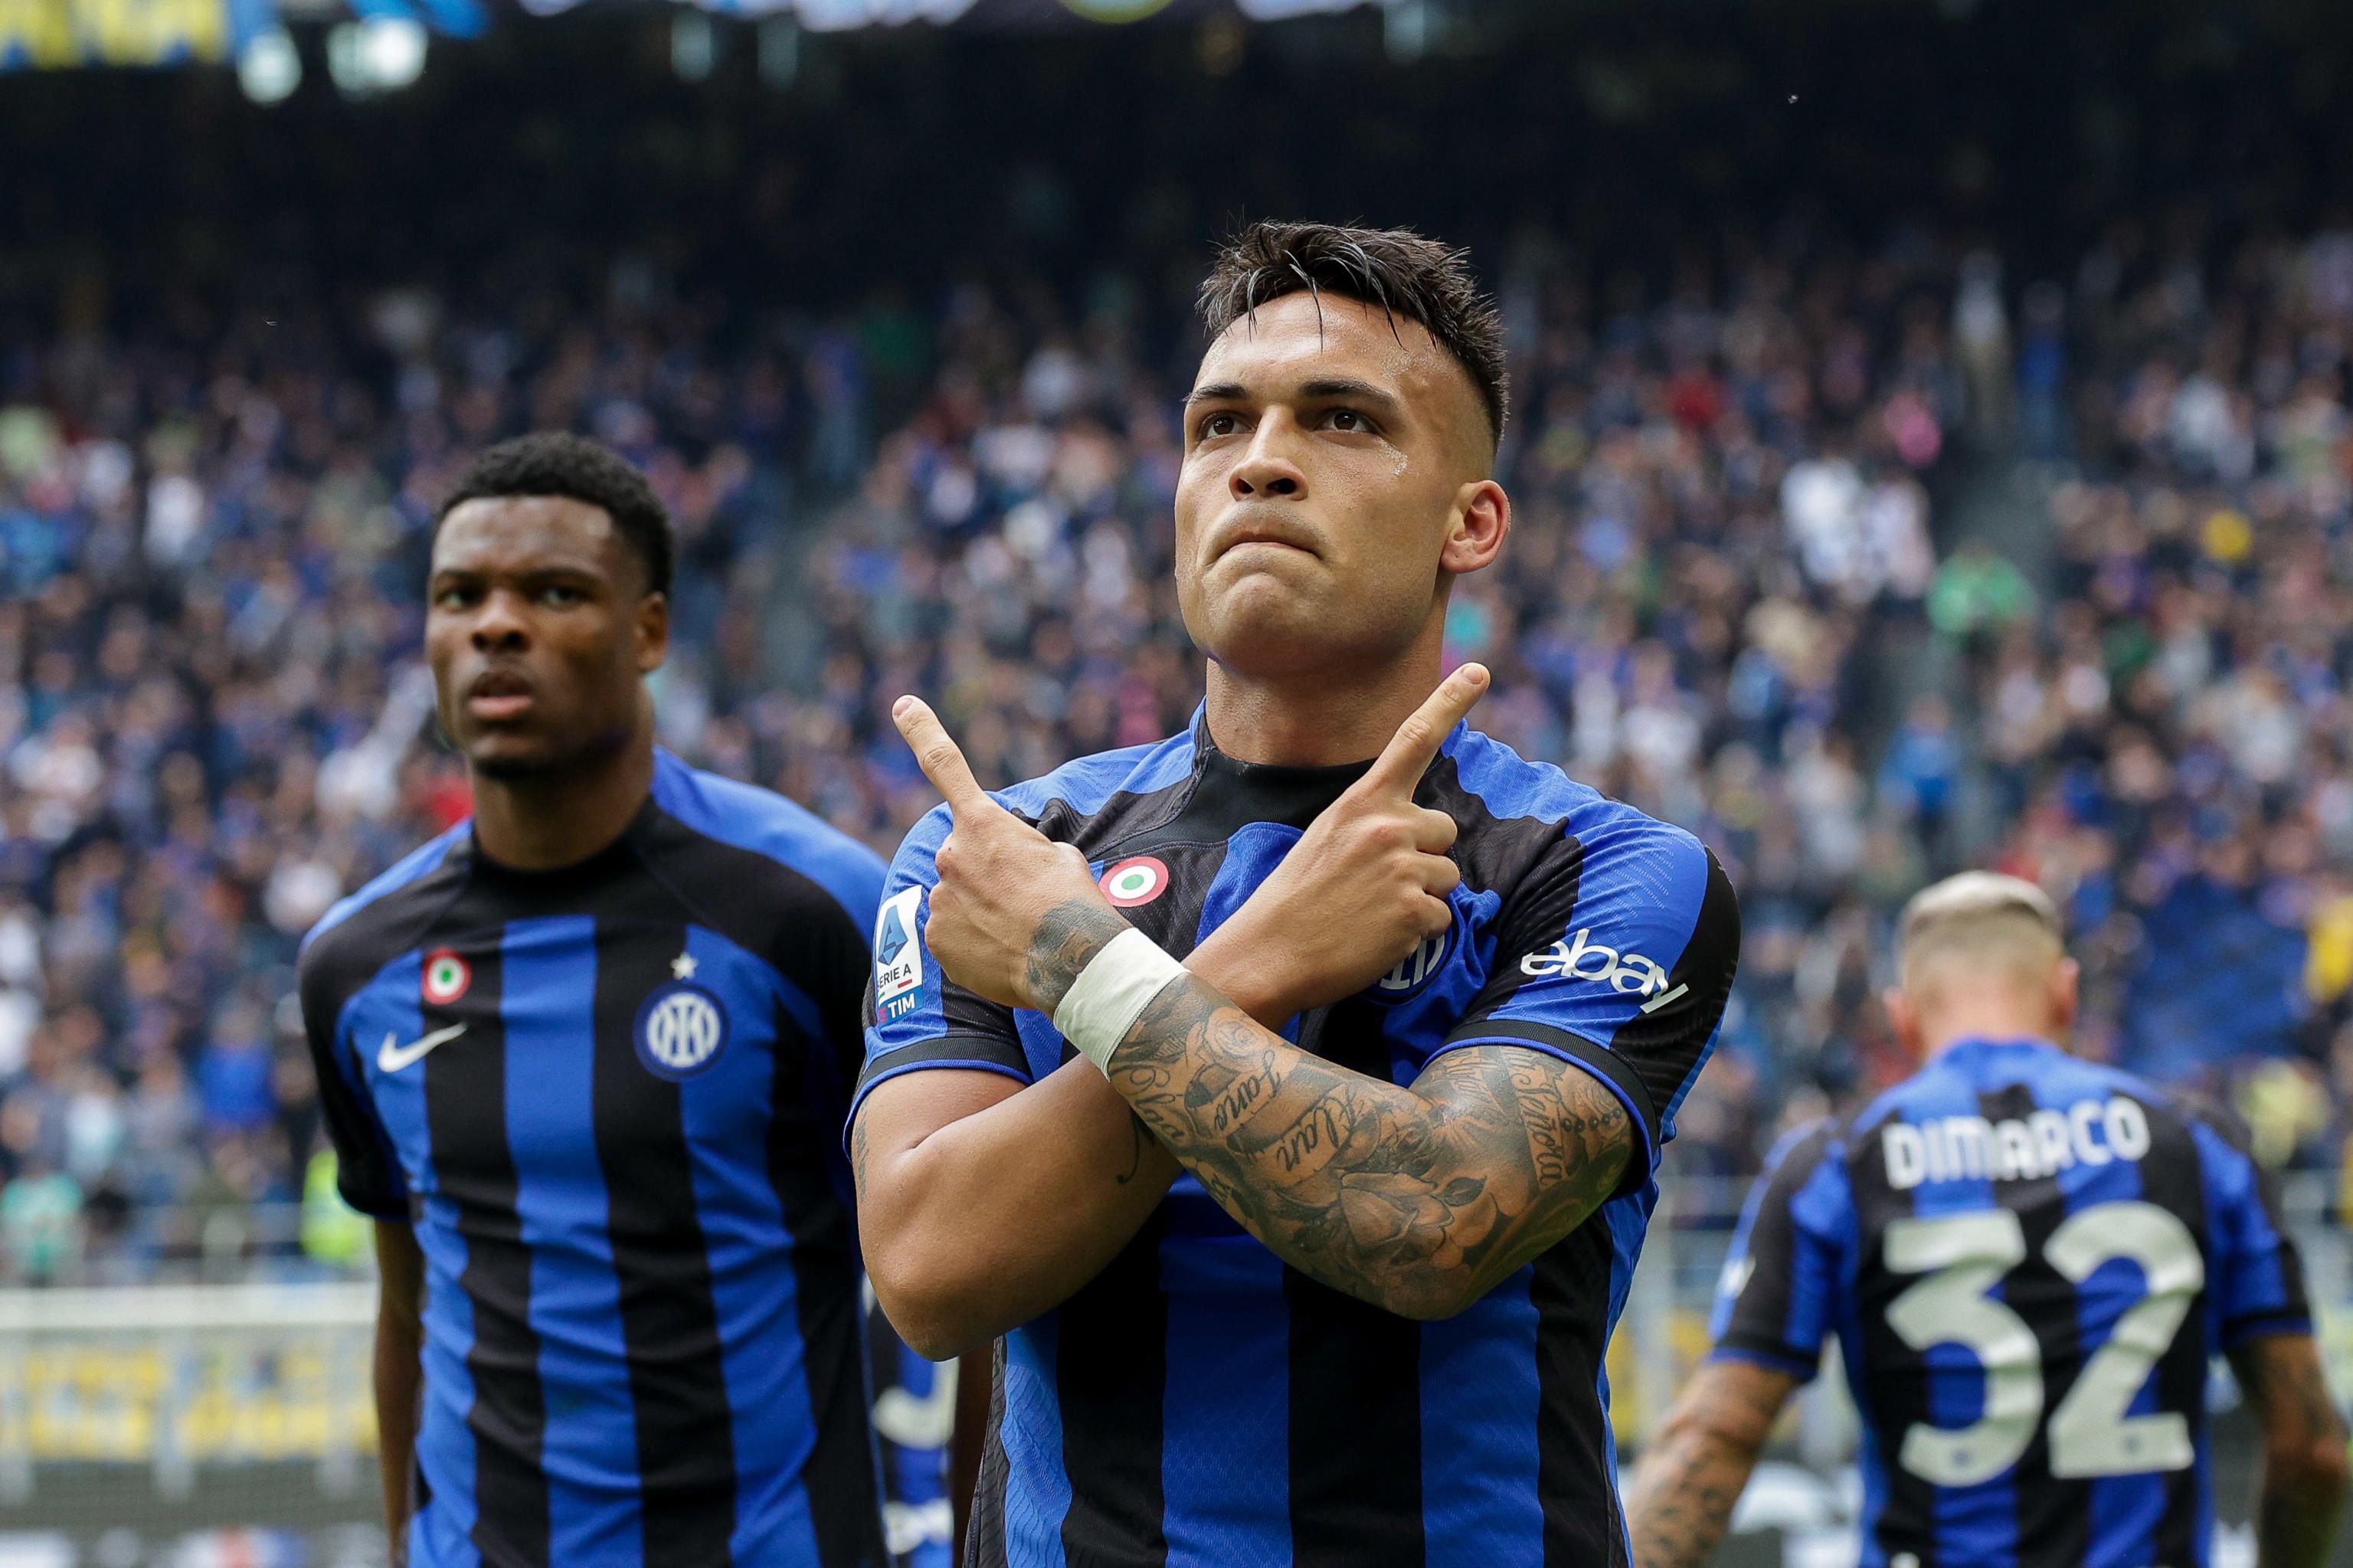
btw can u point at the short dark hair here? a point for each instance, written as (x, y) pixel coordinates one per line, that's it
(1395, 268)
(557, 462)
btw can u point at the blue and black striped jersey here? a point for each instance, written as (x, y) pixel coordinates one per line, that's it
(608, 1099)
(2029, 1261)
(1202, 1403)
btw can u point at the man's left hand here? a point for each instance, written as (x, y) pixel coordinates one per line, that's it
(1014, 916)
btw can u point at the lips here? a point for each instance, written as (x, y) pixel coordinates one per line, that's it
(498, 694)
(1259, 534)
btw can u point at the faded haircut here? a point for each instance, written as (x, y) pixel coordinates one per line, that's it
(1983, 921)
(1394, 269)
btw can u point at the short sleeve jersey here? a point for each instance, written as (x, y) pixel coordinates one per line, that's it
(1201, 1401)
(607, 1099)
(2029, 1261)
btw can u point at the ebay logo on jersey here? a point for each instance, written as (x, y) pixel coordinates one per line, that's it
(1582, 957)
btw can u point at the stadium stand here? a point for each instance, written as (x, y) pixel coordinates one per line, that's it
(1722, 570)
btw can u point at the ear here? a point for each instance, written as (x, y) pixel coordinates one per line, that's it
(652, 633)
(1904, 1017)
(2065, 996)
(1476, 529)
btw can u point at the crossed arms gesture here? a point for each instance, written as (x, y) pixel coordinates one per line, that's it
(1418, 1199)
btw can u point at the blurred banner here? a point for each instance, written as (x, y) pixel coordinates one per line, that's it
(43, 34)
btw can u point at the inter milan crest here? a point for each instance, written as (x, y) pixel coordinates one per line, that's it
(681, 1028)
(445, 978)
(1412, 974)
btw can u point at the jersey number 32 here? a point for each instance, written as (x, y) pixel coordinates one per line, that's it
(1962, 1257)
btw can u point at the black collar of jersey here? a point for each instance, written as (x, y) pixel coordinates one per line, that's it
(1229, 795)
(563, 881)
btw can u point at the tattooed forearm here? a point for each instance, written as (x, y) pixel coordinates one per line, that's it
(1419, 1199)
(1070, 934)
(1683, 1496)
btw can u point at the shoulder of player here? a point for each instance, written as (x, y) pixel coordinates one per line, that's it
(1084, 787)
(817, 858)
(357, 921)
(1494, 790)
(364, 930)
(1057, 803)
(2194, 1111)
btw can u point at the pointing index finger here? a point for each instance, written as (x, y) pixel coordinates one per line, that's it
(1415, 746)
(937, 754)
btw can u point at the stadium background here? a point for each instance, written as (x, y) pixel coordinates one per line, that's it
(1931, 446)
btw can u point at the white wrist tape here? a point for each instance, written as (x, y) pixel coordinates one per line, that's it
(1112, 992)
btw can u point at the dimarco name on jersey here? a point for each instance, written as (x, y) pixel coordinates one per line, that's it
(2015, 1148)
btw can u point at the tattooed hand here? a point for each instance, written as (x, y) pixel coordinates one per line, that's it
(1014, 916)
(1363, 886)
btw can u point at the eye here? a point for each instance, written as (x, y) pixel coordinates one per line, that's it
(1213, 426)
(561, 595)
(454, 597)
(1348, 419)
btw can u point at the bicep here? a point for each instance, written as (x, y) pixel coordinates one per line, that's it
(1628, 978)
(899, 1113)
(1547, 1139)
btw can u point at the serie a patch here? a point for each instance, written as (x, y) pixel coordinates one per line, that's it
(897, 956)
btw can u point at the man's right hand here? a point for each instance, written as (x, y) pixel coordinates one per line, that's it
(1363, 887)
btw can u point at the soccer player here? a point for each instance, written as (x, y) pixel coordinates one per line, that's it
(585, 1058)
(2029, 1261)
(1304, 1249)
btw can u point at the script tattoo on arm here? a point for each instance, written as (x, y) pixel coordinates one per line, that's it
(1682, 1500)
(1419, 1200)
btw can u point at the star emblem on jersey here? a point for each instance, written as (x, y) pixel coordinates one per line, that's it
(681, 1028)
(445, 978)
(1139, 879)
(683, 966)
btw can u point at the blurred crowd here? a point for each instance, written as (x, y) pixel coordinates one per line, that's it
(1721, 602)
(2170, 745)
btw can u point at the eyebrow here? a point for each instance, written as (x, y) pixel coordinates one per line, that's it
(1217, 392)
(536, 573)
(1347, 387)
(1337, 386)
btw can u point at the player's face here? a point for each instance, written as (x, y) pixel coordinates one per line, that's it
(1335, 479)
(540, 632)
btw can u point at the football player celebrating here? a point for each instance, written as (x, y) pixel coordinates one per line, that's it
(2029, 1261)
(585, 1057)
(1287, 1094)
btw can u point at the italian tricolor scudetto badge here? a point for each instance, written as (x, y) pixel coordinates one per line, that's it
(445, 978)
(1137, 880)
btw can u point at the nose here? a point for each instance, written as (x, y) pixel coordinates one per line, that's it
(500, 625)
(1264, 471)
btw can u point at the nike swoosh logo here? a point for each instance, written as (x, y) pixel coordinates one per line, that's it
(393, 1058)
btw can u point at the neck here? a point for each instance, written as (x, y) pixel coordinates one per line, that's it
(1321, 718)
(544, 821)
(1965, 1024)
